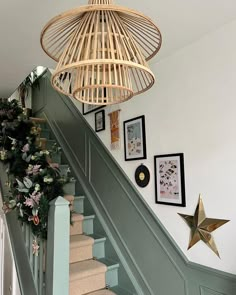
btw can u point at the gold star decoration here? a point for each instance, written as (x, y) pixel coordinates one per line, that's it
(202, 227)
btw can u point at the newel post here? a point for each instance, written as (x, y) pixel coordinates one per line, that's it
(57, 263)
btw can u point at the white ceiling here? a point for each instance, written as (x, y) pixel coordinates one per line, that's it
(181, 22)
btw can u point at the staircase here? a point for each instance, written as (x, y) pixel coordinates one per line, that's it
(91, 272)
(87, 274)
(148, 256)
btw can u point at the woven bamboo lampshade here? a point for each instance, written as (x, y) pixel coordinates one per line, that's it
(102, 51)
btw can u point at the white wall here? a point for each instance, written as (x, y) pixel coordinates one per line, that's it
(192, 109)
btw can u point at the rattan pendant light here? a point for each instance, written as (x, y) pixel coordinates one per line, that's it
(102, 51)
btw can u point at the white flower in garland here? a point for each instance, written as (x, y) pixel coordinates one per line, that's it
(48, 179)
(30, 167)
(44, 152)
(37, 187)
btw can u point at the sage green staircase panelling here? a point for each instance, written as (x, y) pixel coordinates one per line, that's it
(149, 255)
(207, 291)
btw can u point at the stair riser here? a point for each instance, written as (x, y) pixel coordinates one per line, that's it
(112, 277)
(43, 126)
(88, 284)
(69, 188)
(79, 205)
(45, 133)
(81, 253)
(99, 249)
(88, 226)
(76, 228)
(56, 157)
(64, 169)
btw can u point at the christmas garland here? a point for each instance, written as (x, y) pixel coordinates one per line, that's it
(33, 180)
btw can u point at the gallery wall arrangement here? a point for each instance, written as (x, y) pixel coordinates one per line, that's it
(169, 174)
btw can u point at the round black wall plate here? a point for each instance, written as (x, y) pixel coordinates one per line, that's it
(142, 176)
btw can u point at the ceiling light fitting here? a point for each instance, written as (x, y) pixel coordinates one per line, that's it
(102, 51)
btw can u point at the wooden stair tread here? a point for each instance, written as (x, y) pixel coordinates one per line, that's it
(87, 268)
(80, 241)
(102, 292)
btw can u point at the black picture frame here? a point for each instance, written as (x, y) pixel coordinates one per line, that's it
(135, 139)
(169, 179)
(89, 108)
(100, 121)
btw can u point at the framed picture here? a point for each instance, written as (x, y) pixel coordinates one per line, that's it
(100, 121)
(169, 179)
(88, 108)
(135, 139)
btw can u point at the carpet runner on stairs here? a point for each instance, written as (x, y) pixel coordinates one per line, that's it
(87, 275)
(77, 227)
(81, 248)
